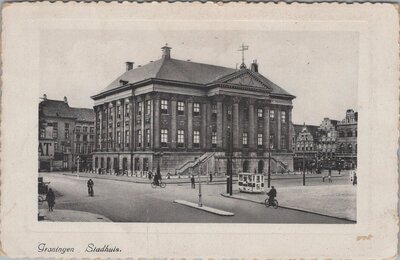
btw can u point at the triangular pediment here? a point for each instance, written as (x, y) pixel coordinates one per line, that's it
(244, 78)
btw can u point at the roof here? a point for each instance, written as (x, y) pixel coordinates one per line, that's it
(57, 108)
(313, 129)
(187, 72)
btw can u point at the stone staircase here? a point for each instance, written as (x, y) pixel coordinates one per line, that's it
(194, 164)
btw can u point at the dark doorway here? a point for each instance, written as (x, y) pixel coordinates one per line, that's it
(260, 166)
(246, 166)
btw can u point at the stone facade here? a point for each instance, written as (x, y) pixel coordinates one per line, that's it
(347, 139)
(173, 112)
(71, 133)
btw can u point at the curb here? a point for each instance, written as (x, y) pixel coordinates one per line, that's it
(291, 208)
(205, 208)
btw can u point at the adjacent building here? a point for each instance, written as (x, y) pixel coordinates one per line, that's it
(66, 136)
(306, 143)
(347, 139)
(178, 114)
(327, 139)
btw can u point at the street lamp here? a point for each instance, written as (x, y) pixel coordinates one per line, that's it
(230, 153)
(304, 166)
(200, 202)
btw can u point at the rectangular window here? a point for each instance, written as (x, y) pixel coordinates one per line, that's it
(260, 113)
(196, 139)
(92, 130)
(181, 138)
(66, 131)
(214, 139)
(148, 107)
(139, 109)
(139, 136)
(164, 106)
(119, 138)
(181, 108)
(78, 148)
(127, 109)
(127, 138)
(196, 109)
(283, 116)
(84, 138)
(55, 130)
(271, 142)
(283, 142)
(78, 129)
(260, 140)
(244, 139)
(272, 114)
(85, 129)
(148, 137)
(119, 114)
(164, 137)
(214, 109)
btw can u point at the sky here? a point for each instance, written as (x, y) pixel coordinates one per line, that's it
(319, 67)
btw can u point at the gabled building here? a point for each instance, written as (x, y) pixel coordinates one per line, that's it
(305, 145)
(328, 139)
(177, 114)
(66, 135)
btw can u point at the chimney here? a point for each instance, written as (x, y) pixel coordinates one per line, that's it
(129, 65)
(166, 52)
(254, 66)
(65, 100)
(44, 97)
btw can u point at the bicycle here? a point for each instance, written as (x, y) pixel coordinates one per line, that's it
(161, 184)
(274, 203)
(41, 199)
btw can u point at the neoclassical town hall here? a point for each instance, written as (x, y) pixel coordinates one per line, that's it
(177, 114)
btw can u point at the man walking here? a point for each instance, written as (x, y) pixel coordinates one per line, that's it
(330, 175)
(211, 177)
(90, 185)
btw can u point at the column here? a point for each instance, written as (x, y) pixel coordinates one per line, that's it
(156, 121)
(266, 133)
(133, 123)
(278, 133)
(219, 121)
(142, 123)
(115, 126)
(151, 123)
(122, 127)
(252, 128)
(289, 134)
(190, 123)
(173, 122)
(209, 126)
(203, 132)
(96, 128)
(235, 122)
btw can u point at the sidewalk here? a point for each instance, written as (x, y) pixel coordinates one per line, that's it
(59, 215)
(330, 200)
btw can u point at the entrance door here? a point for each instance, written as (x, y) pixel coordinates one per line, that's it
(246, 166)
(260, 166)
(124, 164)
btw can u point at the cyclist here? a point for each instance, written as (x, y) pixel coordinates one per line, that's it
(272, 194)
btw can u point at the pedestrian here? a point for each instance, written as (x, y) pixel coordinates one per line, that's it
(355, 179)
(168, 175)
(330, 175)
(193, 183)
(211, 177)
(51, 199)
(90, 185)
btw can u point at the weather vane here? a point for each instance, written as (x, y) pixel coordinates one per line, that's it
(242, 49)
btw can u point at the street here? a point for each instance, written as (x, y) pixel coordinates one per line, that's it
(122, 201)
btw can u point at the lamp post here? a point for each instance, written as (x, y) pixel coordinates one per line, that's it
(304, 166)
(200, 202)
(230, 153)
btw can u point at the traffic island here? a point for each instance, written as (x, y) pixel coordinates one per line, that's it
(205, 208)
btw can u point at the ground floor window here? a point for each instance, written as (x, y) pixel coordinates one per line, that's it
(196, 139)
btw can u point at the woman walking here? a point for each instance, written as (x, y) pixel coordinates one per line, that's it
(51, 199)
